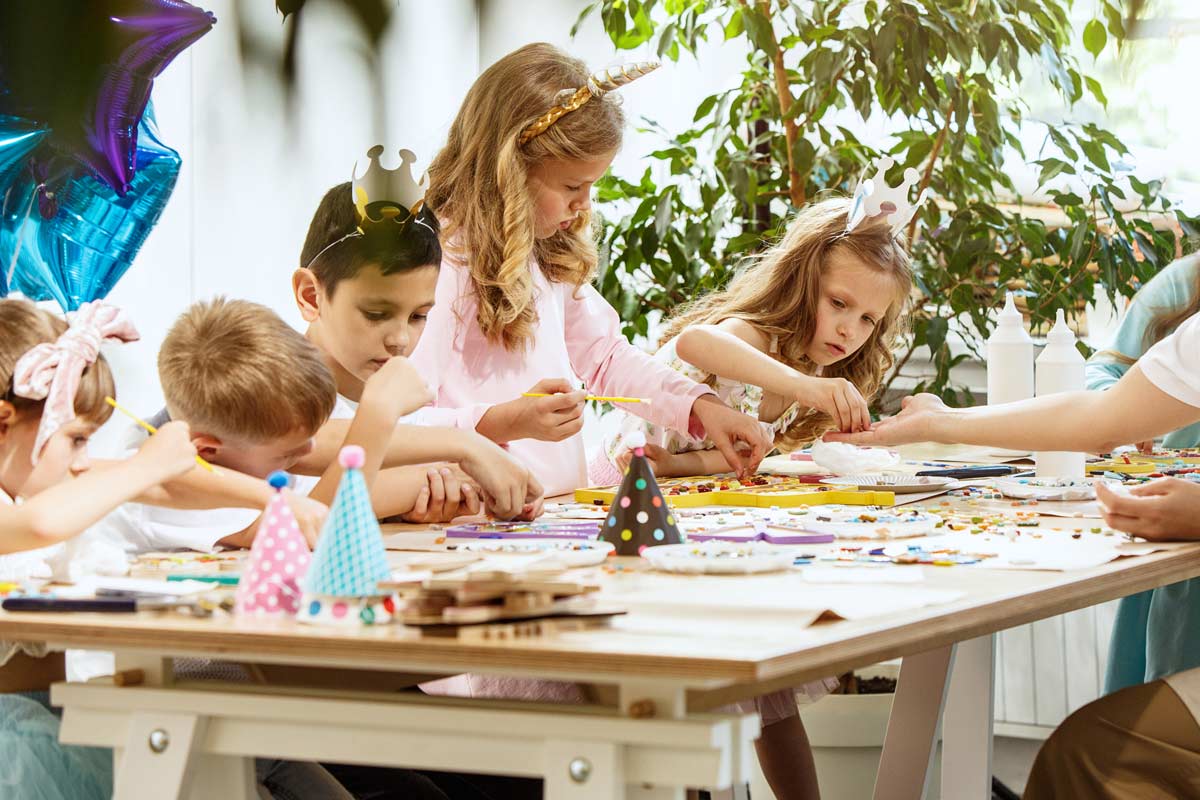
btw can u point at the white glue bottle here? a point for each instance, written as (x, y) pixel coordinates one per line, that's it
(1060, 368)
(1009, 358)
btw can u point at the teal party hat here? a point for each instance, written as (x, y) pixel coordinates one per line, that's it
(350, 559)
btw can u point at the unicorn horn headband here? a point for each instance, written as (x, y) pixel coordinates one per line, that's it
(598, 85)
(51, 371)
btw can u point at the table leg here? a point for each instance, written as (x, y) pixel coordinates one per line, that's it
(155, 760)
(911, 739)
(967, 724)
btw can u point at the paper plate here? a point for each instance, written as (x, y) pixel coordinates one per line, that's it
(893, 482)
(1047, 488)
(572, 553)
(720, 558)
(871, 524)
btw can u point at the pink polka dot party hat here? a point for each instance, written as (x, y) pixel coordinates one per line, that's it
(342, 586)
(279, 558)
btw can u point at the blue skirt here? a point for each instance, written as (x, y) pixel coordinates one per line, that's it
(34, 766)
(1156, 633)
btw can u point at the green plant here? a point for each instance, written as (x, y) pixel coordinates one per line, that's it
(946, 75)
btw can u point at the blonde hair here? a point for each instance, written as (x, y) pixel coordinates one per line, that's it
(23, 326)
(778, 292)
(479, 184)
(233, 368)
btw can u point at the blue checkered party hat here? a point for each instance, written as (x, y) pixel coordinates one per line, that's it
(350, 559)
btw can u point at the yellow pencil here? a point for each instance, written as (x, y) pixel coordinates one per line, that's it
(595, 397)
(150, 428)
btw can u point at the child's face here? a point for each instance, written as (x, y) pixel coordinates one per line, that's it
(562, 190)
(370, 318)
(257, 459)
(854, 299)
(63, 456)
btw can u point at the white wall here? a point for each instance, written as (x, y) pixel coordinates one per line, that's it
(253, 170)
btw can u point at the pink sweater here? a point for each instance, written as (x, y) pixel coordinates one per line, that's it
(577, 337)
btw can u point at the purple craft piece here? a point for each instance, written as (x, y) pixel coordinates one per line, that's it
(525, 530)
(763, 531)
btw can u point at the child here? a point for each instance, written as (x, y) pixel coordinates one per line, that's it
(516, 311)
(254, 413)
(55, 383)
(800, 340)
(1145, 644)
(366, 299)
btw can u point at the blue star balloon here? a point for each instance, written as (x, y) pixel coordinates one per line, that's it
(72, 243)
(18, 138)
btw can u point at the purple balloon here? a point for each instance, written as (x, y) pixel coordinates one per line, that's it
(86, 70)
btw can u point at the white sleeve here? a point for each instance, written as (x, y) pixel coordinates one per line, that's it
(1173, 364)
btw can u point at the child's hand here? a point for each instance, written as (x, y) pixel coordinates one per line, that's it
(740, 438)
(916, 422)
(396, 389)
(310, 515)
(445, 498)
(170, 452)
(509, 488)
(664, 463)
(550, 419)
(837, 397)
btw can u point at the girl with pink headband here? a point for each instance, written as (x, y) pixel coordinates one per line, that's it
(54, 383)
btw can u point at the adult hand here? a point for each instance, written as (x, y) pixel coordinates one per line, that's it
(914, 423)
(1160, 510)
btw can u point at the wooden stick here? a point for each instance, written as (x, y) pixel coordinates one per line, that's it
(596, 397)
(150, 428)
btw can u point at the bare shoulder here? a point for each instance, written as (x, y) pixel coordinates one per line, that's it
(747, 332)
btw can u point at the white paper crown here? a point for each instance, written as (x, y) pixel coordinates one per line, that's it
(873, 197)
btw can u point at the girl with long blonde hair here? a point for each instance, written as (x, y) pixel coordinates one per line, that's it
(800, 339)
(515, 310)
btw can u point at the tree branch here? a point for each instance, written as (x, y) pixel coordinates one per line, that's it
(933, 157)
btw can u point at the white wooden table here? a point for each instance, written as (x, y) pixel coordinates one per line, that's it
(195, 739)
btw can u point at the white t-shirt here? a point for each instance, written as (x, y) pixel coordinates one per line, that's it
(147, 528)
(1173, 364)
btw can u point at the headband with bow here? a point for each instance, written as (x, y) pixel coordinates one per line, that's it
(51, 371)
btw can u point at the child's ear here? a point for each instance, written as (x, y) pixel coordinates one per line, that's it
(207, 447)
(8, 418)
(307, 291)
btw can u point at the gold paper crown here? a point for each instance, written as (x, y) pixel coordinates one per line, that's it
(599, 84)
(382, 195)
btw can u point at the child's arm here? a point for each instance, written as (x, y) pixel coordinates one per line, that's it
(68, 508)
(430, 493)
(680, 465)
(508, 485)
(735, 350)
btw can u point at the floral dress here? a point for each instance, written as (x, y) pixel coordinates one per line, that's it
(618, 424)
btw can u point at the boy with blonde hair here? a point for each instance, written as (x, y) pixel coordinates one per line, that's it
(255, 392)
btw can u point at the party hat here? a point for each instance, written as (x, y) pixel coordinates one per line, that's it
(350, 559)
(639, 517)
(278, 560)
